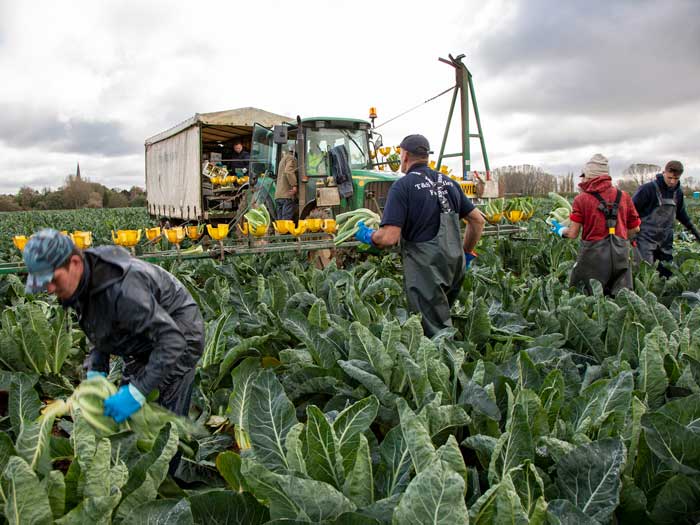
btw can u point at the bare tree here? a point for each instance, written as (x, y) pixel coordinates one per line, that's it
(627, 185)
(690, 184)
(94, 200)
(8, 203)
(27, 197)
(634, 175)
(76, 192)
(566, 183)
(640, 172)
(524, 180)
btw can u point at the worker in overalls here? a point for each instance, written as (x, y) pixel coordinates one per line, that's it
(422, 211)
(660, 203)
(606, 218)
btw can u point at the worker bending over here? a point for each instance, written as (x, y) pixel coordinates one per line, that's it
(126, 307)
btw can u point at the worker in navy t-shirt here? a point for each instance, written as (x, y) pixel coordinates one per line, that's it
(423, 210)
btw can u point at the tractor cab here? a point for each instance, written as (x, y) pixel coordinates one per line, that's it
(314, 141)
(322, 134)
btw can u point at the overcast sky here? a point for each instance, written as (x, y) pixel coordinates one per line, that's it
(556, 81)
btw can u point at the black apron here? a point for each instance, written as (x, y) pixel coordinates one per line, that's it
(606, 260)
(655, 238)
(434, 270)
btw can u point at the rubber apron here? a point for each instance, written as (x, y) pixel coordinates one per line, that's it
(656, 232)
(606, 260)
(434, 269)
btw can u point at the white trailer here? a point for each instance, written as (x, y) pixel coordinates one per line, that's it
(175, 186)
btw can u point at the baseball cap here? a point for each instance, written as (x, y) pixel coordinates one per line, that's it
(45, 251)
(416, 144)
(674, 165)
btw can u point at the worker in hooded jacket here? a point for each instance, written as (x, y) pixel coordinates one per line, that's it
(660, 204)
(423, 210)
(126, 307)
(605, 217)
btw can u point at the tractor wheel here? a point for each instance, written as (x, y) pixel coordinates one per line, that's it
(311, 211)
(305, 212)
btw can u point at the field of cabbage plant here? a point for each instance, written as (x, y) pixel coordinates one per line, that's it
(319, 400)
(100, 222)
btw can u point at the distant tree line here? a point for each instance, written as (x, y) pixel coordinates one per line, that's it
(531, 180)
(534, 181)
(75, 193)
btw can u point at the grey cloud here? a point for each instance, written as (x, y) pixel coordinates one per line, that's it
(121, 172)
(121, 177)
(555, 134)
(23, 127)
(596, 56)
(11, 185)
(5, 21)
(666, 130)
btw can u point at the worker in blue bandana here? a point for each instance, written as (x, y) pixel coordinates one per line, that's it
(126, 307)
(422, 212)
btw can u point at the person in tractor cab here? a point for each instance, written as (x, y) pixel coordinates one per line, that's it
(422, 211)
(126, 307)
(240, 158)
(606, 217)
(286, 186)
(660, 203)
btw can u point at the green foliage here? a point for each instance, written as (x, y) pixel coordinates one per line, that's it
(326, 403)
(36, 337)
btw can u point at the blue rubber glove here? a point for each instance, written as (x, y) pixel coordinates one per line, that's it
(124, 403)
(558, 228)
(468, 258)
(92, 374)
(364, 234)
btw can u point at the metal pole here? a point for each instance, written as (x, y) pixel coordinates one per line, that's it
(478, 126)
(302, 178)
(447, 128)
(199, 168)
(463, 86)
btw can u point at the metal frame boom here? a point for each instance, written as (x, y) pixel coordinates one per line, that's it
(464, 88)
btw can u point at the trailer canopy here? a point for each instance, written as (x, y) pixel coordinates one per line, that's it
(224, 125)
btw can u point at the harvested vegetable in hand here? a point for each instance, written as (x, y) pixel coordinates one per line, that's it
(561, 212)
(347, 223)
(88, 399)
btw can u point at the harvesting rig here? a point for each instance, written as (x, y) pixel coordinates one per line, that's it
(194, 177)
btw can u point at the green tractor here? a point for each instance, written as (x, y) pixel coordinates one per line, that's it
(312, 140)
(193, 173)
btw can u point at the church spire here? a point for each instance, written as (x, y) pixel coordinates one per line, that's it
(77, 172)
